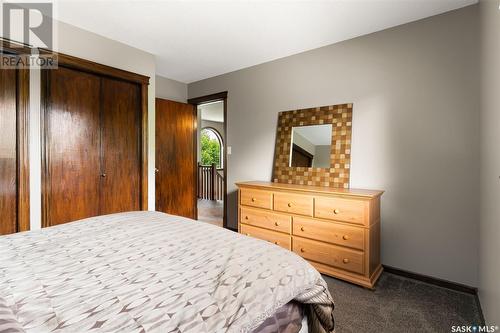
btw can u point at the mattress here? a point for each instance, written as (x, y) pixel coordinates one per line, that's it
(287, 319)
(153, 272)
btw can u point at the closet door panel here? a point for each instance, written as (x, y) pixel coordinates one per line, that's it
(121, 146)
(71, 128)
(8, 152)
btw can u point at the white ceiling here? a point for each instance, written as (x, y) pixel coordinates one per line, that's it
(212, 111)
(193, 40)
(318, 135)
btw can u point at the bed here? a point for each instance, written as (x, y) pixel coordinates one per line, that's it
(153, 272)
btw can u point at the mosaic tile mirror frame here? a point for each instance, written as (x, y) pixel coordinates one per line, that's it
(337, 176)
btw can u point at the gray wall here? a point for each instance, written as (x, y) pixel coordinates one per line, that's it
(489, 262)
(415, 131)
(170, 89)
(322, 156)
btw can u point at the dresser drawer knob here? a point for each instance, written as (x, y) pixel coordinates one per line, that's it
(302, 229)
(246, 217)
(302, 249)
(345, 237)
(345, 261)
(253, 199)
(277, 243)
(289, 204)
(336, 211)
(276, 224)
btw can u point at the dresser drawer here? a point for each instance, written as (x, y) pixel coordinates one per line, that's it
(349, 260)
(267, 235)
(330, 232)
(256, 198)
(293, 203)
(266, 219)
(347, 210)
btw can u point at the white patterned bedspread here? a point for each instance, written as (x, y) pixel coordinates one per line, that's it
(151, 272)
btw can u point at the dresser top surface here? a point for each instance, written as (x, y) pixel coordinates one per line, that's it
(312, 189)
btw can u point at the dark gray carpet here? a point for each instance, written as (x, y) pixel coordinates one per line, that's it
(400, 304)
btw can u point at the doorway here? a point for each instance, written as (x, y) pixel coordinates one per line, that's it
(211, 187)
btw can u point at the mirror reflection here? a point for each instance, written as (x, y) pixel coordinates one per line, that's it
(311, 146)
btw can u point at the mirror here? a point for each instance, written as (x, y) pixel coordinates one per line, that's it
(311, 146)
(328, 161)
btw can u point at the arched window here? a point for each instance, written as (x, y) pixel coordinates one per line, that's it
(211, 147)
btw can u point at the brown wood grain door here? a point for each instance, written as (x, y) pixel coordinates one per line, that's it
(71, 178)
(175, 158)
(94, 127)
(121, 150)
(8, 152)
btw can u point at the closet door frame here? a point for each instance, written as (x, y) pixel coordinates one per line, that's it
(22, 137)
(91, 67)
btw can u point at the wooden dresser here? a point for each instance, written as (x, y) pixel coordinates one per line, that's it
(336, 230)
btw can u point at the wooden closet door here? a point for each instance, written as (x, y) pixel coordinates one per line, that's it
(121, 146)
(175, 158)
(71, 177)
(8, 152)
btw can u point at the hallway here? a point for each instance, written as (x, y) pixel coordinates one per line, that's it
(210, 211)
